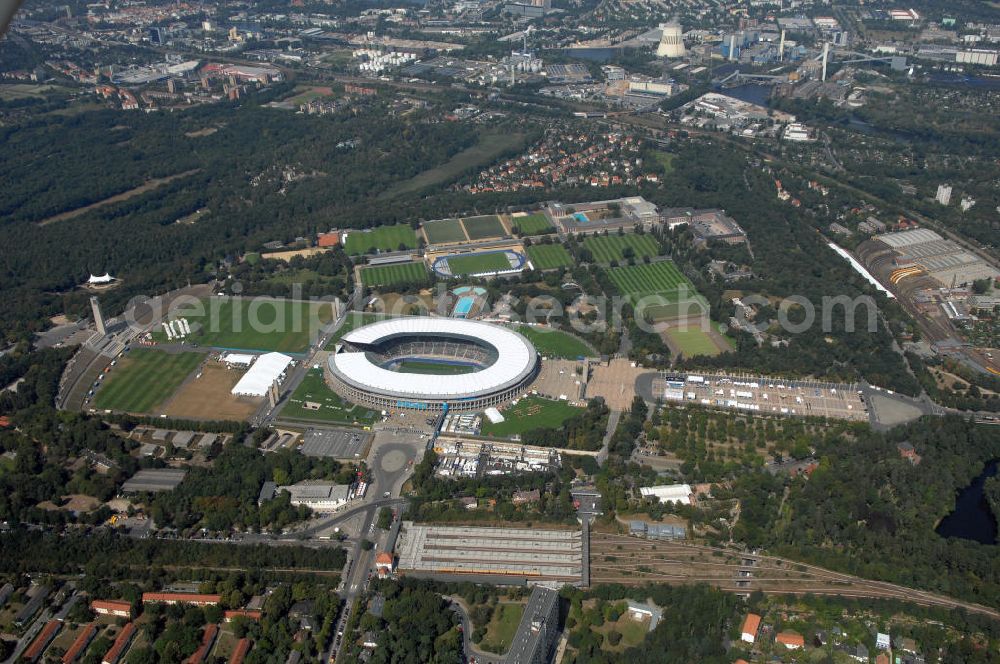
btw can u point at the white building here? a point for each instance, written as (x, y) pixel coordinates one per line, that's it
(266, 371)
(668, 493)
(943, 194)
(316, 496)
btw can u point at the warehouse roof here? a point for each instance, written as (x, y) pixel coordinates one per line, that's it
(516, 359)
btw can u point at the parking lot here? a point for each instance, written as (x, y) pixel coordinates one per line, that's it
(336, 443)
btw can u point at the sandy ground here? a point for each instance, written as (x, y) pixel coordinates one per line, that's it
(208, 397)
(615, 382)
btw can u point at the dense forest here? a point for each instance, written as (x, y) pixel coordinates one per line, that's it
(868, 511)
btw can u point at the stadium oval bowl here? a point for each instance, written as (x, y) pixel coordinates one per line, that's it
(505, 362)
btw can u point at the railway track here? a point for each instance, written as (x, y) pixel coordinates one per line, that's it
(632, 561)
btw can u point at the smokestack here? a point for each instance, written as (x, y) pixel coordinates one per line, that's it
(826, 54)
(781, 47)
(732, 48)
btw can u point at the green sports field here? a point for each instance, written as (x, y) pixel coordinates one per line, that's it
(533, 224)
(144, 379)
(258, 323)
(331, 407)
(530, 413)
(478, 263)
(394, 275)
(612, 247)
(556, 343)
(434, 368)
(443, 231)
(549, 256)
(383, 238)
(693, 341)
(486, 226)
(661, 279)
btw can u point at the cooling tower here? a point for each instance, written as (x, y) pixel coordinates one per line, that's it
(671, 42)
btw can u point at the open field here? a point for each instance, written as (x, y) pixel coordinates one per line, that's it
(530, 413)
(144, 379)
(483, 227)
(444, 231)
(665, 159)
(478, 263)
(332, 408)
(261, 324)
(532, 224)
(209, 397)
(117, 198)
(615, 247)
(392, 275)
(383, 238)
(502, 626)
(662, 280)
(691, 340)
(303, 94)
(556, 343)
(549, 256)
(489, 147)
(14, 91)
(434, 368)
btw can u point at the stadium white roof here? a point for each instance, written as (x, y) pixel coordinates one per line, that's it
(259, 378)
(516, 359)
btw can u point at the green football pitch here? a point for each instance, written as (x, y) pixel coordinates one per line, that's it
(549, 256)
(486, 226)
(383, 238)
(144, 379)
(556, 343)
(662, 280)
(394, 275)
(443, 231)
(613, 247)
(434, 368)
(532, 224)
(478, 263)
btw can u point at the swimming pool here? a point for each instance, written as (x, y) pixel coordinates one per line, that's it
(581, 217)
(464, 306)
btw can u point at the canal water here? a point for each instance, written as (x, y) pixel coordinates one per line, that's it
(972, 518)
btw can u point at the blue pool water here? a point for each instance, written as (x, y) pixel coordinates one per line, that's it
(581, 217)
(464, 306)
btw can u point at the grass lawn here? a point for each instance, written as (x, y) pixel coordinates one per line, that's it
(144, 379)
(693, 341)
(443, 231)
(486, 226)
(332, 408)
(665, 159)
(533, 224)
(612, 247)
(530, 413)
(556, 343)
(502, 626)
(434, 368)
(391, 275)
(489, 147)
(549, 256)
(262, 324)
(383, 238)
(493, 261)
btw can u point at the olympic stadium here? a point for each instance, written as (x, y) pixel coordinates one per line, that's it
(434, 364)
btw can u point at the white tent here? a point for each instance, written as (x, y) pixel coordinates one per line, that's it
(669, 493)
(106, 278)
(265, 371)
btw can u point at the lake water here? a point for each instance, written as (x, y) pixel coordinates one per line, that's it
(972, 518)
